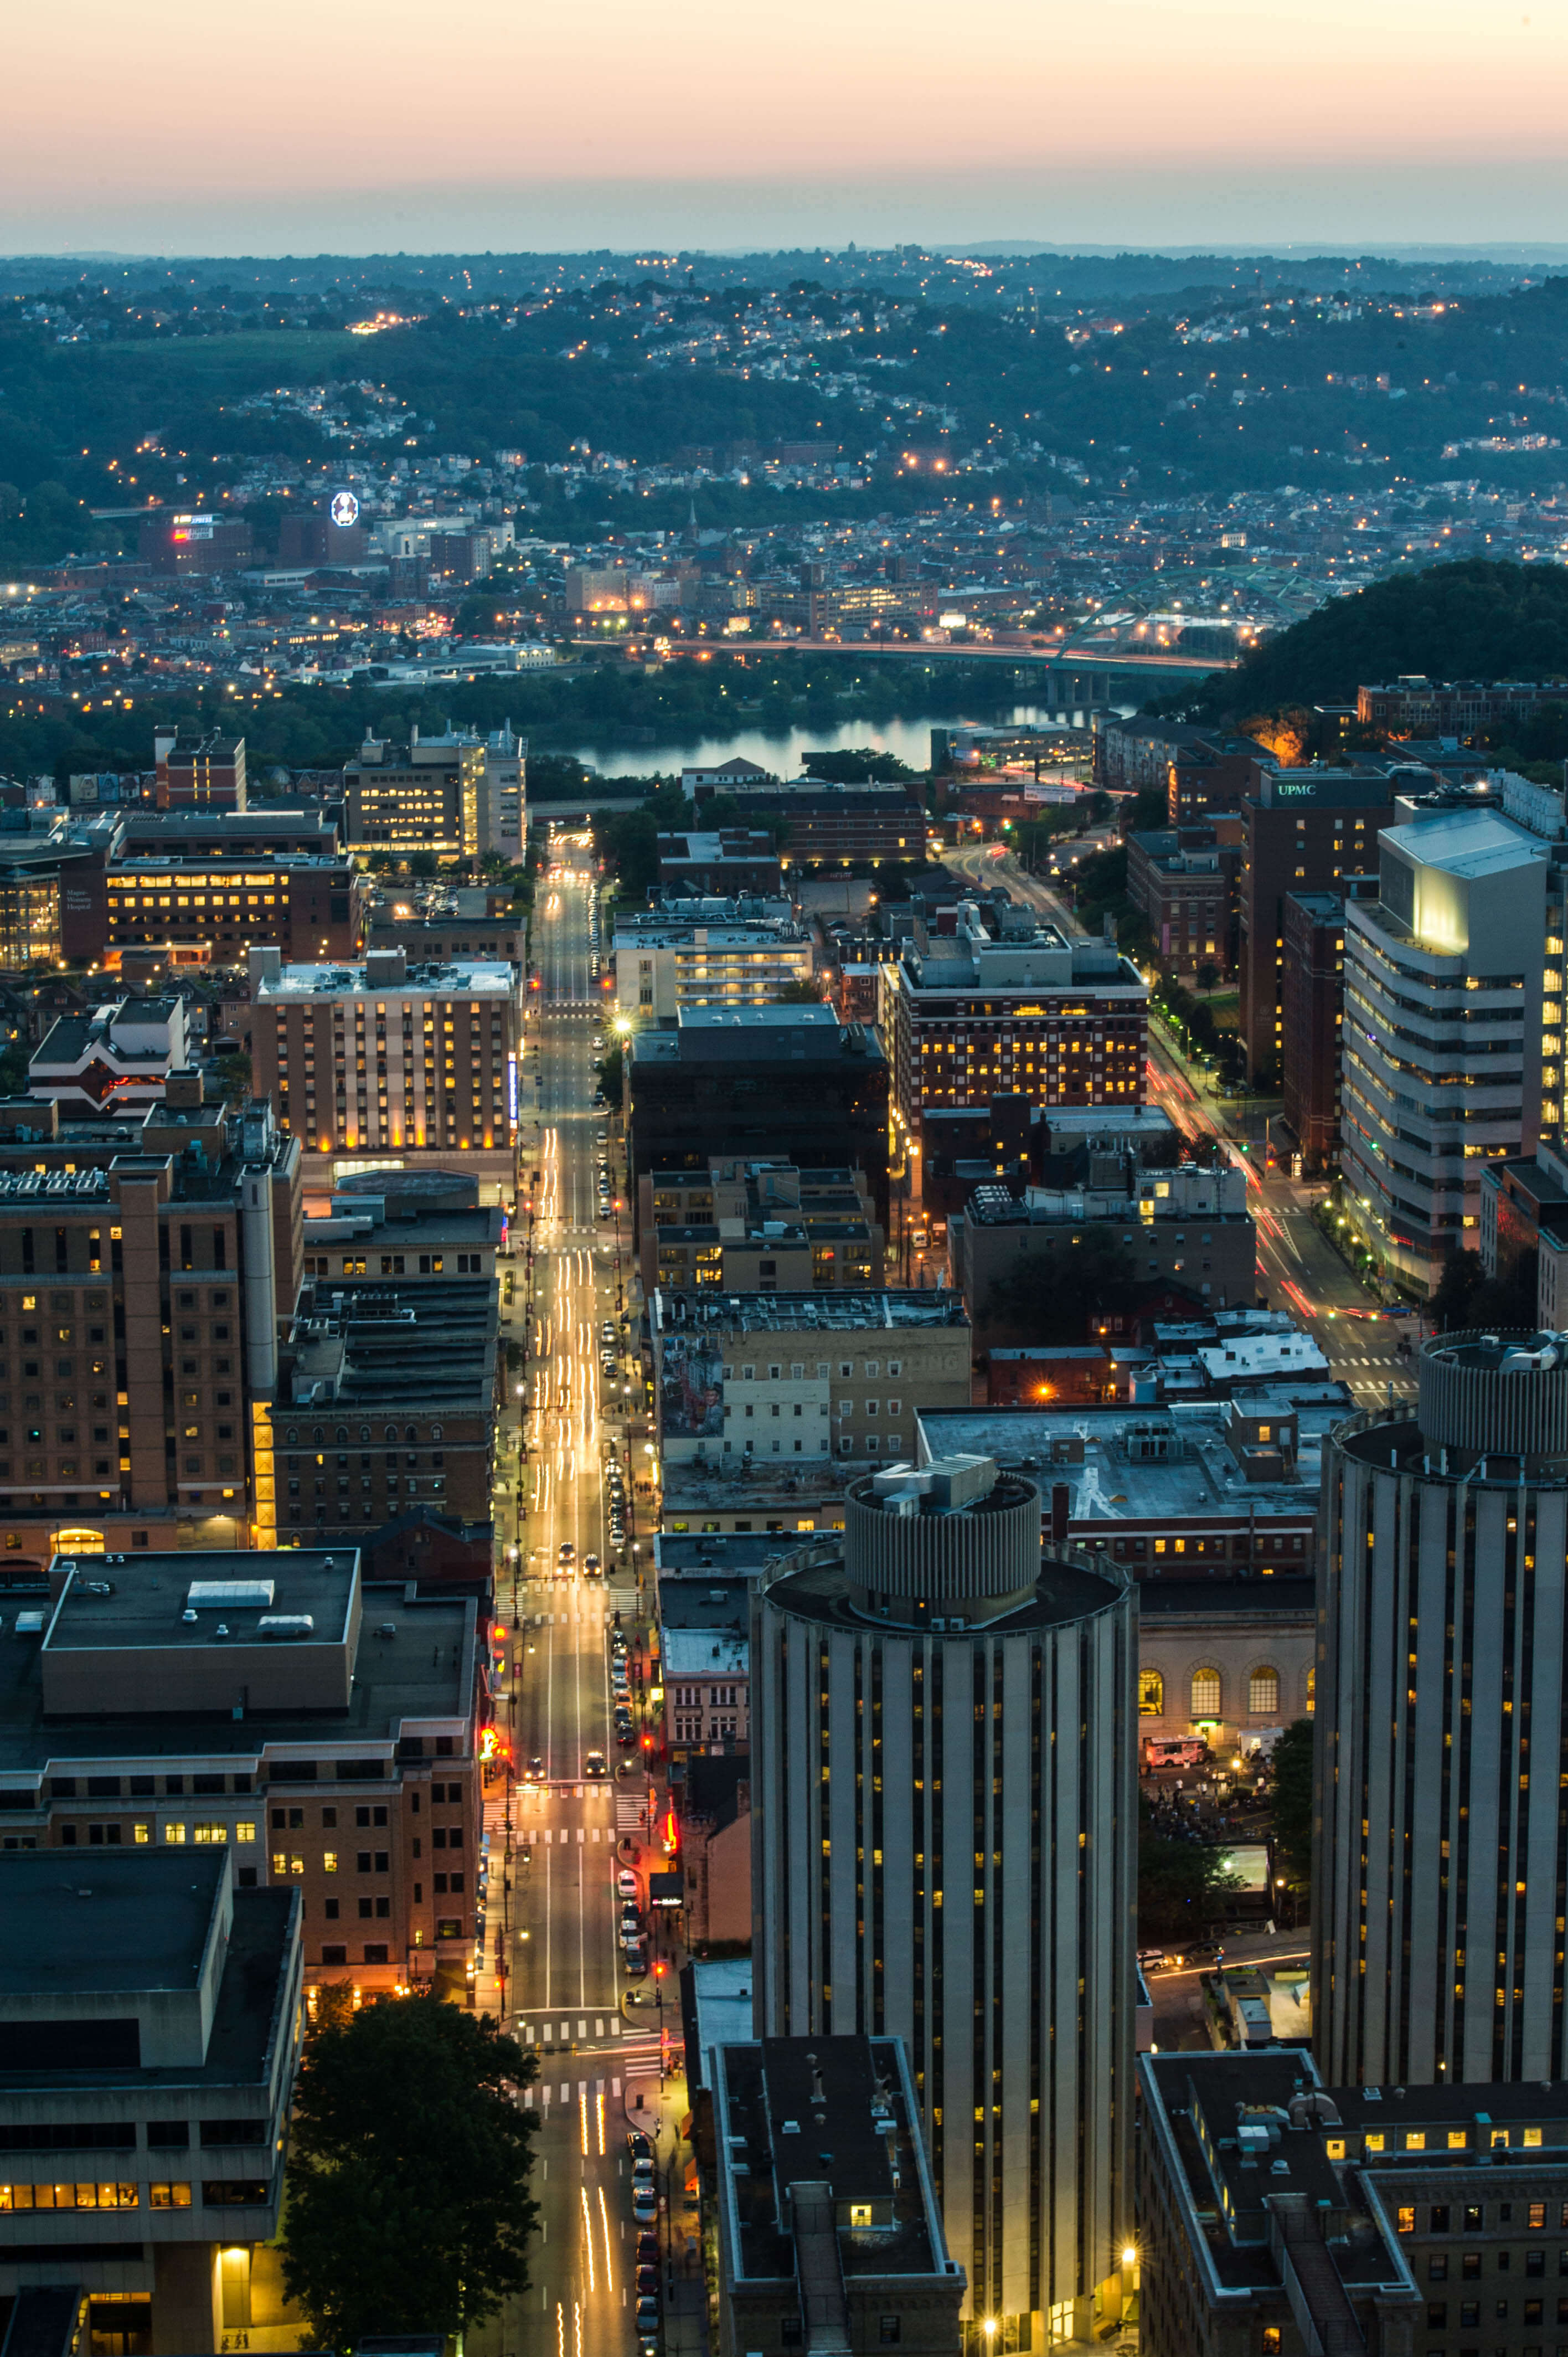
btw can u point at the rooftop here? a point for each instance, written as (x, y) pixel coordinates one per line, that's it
(833, 2113)
(836, 1312)
(366, 1345)
(124, 1920)
(447, 980)
(1132, 1464)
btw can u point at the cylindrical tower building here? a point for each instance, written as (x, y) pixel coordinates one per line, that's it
(1441, 1833)
(944, 1798)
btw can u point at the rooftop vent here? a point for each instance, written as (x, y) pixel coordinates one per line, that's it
(257, 1594)
(283, 1624)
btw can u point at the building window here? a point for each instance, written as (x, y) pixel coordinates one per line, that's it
(1151, 1693)
(1263, 1693)
(1206, 1694)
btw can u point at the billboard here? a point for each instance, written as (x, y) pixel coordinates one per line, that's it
(690, 1389)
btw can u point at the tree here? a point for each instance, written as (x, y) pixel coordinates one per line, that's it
(406, 2208)
(1179, 1882)
(1051, 1296)
(1291, 1769)
(799, 993)
(1464, 1297)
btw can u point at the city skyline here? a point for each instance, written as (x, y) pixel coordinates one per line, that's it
(1201, 126)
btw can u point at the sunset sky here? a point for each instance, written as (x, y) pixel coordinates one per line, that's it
(357, 125)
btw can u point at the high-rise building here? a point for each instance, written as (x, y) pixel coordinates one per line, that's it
(419, 797)
(388, 1055)
(968, 1018)
(944, 1846)
(1445, 1060)
(1441, 1854)
(140, 1292)
(1301, 831)
(199, 772)
(1312, 1010)
(758, 1082)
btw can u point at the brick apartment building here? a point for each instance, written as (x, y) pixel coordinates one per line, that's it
(386, 1397)
(1057, 1022)
(1182, 881)
(1312, 1009)
(1303, 831)
(139, 1291)
(198, 772)
(386, 1056)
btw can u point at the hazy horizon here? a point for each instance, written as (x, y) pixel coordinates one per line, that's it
(331, 126)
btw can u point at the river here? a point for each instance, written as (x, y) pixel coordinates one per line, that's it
(909, 740)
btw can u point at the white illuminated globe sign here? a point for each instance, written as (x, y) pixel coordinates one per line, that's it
(345, 509)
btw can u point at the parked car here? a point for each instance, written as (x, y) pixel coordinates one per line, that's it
(626, 1883)
(648, 2283)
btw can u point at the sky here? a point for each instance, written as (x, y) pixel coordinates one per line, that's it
(353, 127)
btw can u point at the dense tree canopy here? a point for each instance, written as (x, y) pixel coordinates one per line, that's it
(1473, 620)
(407, 2208)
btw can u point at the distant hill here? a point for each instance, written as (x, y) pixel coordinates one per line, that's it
(1472, 620)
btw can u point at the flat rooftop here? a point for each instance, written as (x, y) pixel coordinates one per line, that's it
(147, 1601)
(1115, 1483)
(841, 1311)
(420, 1672)
(455, 979)
(105, 1922)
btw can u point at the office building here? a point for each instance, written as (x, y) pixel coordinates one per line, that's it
(320, 1729)
(1187, 1223)
(1451, 1053)
(728, 860)
(713, 1807)
(667, 961)
(205, 773)
(387, 1393)
(826, 2249)
(1182, 881)
(1313, 1015)
(195, 542)
(1524, 1211)
(1443, 1702)
(1279, 2212)
(144, 1285)
(1060, 1022)
(754, 1377)
(1212, 777)
(477, 921)
(423, 796)
(386, 1056)
(758, 1083)
(1301, 831)
(206, 911)
(756, 1227)
(943, 1742)
(834, 826)
(150, 2021)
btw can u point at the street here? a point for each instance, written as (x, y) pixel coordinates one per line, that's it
(566, 1822)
